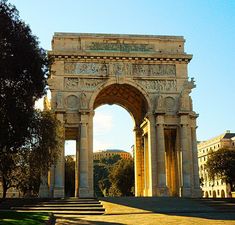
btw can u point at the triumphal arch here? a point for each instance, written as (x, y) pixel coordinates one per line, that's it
(145, 74)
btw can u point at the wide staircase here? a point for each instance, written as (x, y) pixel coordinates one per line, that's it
(68, 206)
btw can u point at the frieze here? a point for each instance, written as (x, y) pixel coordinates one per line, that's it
(81, 84)
(85, 68)
(154, 70)
(159, 85)
(120, 47)
(120, 68)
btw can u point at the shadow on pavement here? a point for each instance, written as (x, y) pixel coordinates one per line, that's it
(217, 209)
(60, 220)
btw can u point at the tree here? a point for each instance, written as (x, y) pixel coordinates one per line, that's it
(122, 178)
(102, 169)
(221, 164)
(69, 176)
(40, 151)
(23, 74)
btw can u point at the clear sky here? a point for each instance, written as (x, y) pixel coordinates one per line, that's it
(207, 25)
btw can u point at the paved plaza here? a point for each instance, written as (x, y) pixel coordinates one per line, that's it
(151, 211)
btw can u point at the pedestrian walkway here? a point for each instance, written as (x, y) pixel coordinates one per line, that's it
(163, 211)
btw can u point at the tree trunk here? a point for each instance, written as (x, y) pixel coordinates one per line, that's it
(4, 188)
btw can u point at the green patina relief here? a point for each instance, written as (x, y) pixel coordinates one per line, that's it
(120, 47)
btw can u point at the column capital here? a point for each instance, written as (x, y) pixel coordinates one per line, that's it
(85, 111)
(160, 120)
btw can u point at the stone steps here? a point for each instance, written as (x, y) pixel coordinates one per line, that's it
(64, 207)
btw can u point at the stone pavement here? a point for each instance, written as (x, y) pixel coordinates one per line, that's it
(153, 211)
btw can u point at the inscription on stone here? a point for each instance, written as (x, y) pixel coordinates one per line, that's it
(159, 85)
(120, 47)
(81, 84)
(86, 68)
(154, 70)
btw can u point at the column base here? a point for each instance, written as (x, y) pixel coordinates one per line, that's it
(58, 192)
(162, 192)
(185, 192)
(196, 193)
(86, 193)
(43, 191)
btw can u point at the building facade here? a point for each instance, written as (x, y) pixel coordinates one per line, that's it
(111, 152)
(216, 188)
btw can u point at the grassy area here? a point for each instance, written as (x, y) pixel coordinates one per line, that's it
(24, 218)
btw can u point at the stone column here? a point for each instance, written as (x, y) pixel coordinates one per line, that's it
(44, 188)
(196, 191)
(51, 181)
(146, 165)
(152, 155)
(77, 169)
(90, 154)
(186, 168)
(138, 154)
(59, 175)
(86, 161)
(59, 166)
(162, 189)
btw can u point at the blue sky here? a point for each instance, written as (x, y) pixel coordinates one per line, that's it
(208, 27)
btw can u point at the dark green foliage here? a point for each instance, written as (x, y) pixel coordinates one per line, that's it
(114, 176)
(40, 152)
(221, 164)
(23, 74)
(101, 174)
(29, 218)
(23, 71)
(122, 178)
(69, 176)
(33, 159)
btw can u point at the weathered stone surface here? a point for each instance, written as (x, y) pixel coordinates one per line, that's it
(147, 75)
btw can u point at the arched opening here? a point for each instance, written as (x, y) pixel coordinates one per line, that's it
(113, 142)
(222, 194)
(206, 194)
(126, 96)
(70, 160)
(131, 99)
(214, 194)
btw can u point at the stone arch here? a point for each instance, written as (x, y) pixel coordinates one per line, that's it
(206, 194)
(113, 82)
(155, 91)
(125, 95)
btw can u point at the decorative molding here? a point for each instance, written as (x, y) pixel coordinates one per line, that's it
(72, 102)
(170, 104)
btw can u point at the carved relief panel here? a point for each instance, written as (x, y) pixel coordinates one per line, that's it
(84, 84)
(159, 85)
(154, 70)
(84, 68)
